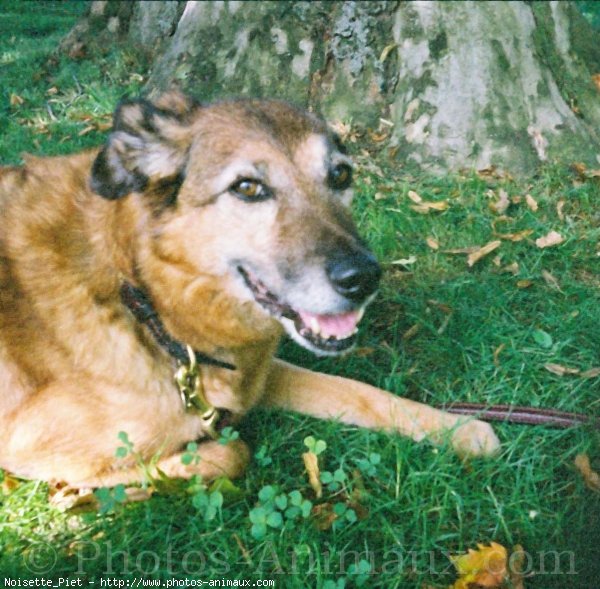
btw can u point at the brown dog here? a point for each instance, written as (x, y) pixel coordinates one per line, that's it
(215, 227)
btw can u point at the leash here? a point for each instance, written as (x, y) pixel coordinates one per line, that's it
(187, 377)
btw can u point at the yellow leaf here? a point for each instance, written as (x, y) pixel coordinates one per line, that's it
(425, 207)
(411, 332)
(524, 283)
(511, 268)
(386, 51)
(591, 477)
(311, 463)
(482, 252)
(484, 567)
(549, 240)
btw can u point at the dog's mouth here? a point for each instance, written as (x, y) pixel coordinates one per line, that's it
(323, 334)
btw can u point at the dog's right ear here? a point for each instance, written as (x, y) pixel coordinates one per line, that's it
(148, 142)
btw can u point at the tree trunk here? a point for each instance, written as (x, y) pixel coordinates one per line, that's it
(465, 84)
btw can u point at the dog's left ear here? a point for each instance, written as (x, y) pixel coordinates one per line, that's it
(148, 142)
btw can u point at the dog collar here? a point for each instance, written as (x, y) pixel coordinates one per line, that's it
(187, 377)
(140, 305)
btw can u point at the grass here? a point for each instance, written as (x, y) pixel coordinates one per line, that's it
(478, 340)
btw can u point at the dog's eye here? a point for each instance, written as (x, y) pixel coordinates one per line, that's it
(340, 177)
(251, 190)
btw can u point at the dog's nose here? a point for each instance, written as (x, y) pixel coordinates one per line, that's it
(354, 276)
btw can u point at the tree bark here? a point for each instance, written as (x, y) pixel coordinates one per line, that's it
(465, 84)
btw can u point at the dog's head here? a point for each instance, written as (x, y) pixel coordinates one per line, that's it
(256, 193)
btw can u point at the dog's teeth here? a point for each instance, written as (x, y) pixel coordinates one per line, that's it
(354, 331)
(314, 326)
(361, 312)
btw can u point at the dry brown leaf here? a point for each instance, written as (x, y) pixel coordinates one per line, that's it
(501, 205)
(9, 483)
(411, 332)
(590, 477)
(531, 203)
(324, 516)
(135, 494)
(596, 81)
(432, 243)
(311, 463)
(560, 370)
(551, 239)
(16, 100)
(414, 197)
(550, 280)
(591, 372)
(559, 209)
(425, 207)
(52, 91)
(67, 498)
(443, 307)
(461, 250)
(524, 283)
(511, 268)
(519, 236)
(86, 130)
(483, 251)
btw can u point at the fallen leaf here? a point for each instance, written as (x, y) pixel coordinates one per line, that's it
(386, 51)
(363, 352)
(511, 268)
(482, 252)
(461, 250)
(549, 240)
(9, 483)
(443, 307)
(324, 516)
(524, 283)
(432, 243)
(424, 207)
(531, 203)
(590, 477)
(591, 372)
(519, 236)
(550, 280)
(405, 261)
(501, 205)
(414, 197)
(311, 463)
(86, 130)
(68, 498)
(484, 567)
(497, 353)
(560, 370)
(559, 209)
(596, 81)
(411, 332)
(16, 100)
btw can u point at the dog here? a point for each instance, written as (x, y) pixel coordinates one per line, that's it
(145, 285)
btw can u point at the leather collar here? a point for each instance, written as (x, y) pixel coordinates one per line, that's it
(140, 305)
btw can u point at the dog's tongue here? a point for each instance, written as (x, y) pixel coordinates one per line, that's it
(340, 326)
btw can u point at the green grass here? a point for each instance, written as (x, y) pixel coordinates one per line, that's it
(421, 503)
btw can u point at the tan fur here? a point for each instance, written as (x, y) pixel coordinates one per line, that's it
(76, 368)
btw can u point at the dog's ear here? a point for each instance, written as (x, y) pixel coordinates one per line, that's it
(148, 142)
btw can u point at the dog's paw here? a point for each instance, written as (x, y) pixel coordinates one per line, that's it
(475, 438)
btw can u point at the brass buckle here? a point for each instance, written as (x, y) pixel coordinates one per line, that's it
(189, 383)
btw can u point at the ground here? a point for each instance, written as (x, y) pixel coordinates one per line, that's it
(439, 331)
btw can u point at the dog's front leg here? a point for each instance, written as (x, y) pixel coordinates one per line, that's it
(356, 403)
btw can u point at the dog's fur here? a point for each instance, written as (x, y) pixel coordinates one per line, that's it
(155, 207)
